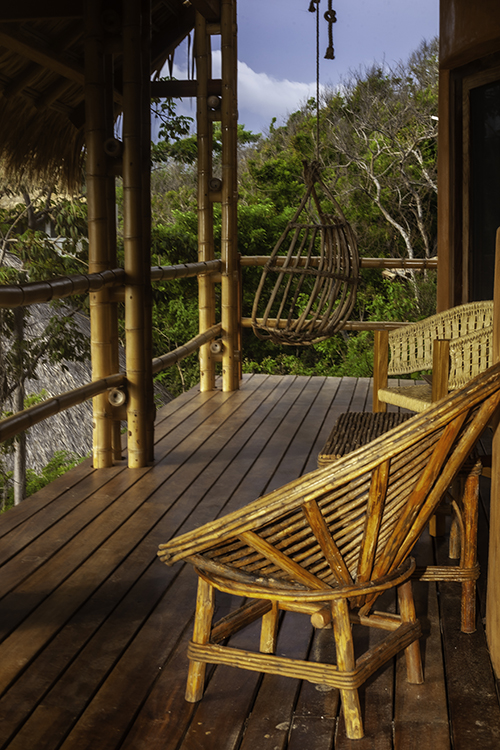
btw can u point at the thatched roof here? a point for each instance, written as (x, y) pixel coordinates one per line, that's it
(42, 78)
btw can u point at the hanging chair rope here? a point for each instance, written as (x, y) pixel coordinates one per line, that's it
(308, 286)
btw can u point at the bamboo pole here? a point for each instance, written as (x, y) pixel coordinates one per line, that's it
(28, 417)
(205, 206)
(350, 325)
(416, 264)
(167, 360)
(136, 295)
(229, 250)
(146, 225)
(493, 592)
(38, 292)
(116, 441)
(100, 315)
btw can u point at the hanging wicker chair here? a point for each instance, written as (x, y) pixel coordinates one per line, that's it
(308, 286)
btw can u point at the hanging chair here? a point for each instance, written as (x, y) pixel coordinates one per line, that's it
(308, 286)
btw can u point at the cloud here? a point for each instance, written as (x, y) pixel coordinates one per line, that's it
(260, 96)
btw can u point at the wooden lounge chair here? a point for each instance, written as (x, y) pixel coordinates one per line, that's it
(455, 345)
(328, 543)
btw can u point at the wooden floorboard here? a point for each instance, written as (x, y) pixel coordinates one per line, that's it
(94, 629)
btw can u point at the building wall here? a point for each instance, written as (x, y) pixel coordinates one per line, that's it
(469, 52)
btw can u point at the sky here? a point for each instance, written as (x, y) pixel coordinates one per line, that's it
(277, 49)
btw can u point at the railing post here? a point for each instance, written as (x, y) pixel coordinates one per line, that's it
(205, 207)
(136, 236)
(229, 249)
(98, 226)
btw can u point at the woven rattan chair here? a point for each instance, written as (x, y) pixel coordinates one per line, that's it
(328, 543)
(454, 344)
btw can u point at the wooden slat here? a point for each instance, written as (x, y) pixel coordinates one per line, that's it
(472, 694)
(421, 716)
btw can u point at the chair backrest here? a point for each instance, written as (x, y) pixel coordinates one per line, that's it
(353, 521)
(411, 346)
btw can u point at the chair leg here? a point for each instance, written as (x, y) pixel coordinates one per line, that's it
(469, 560)
(201, 634)
(412, 652)
(269, 630)
(346, 662)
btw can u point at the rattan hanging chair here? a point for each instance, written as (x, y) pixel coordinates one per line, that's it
(308, 286)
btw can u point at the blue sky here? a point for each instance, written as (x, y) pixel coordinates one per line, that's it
(277, 49)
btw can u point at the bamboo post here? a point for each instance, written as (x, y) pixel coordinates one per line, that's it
(205, 209)
(136, 264)
(146, 225)
(380, 366)
(116, 442)
(97, 200)
(229, 250)
(493, 593)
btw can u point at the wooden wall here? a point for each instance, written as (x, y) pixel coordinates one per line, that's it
(469, 46)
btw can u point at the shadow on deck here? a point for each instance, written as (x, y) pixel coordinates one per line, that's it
(94, 628)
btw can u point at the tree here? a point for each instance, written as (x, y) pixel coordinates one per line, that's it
(380, 135)
(32, 255)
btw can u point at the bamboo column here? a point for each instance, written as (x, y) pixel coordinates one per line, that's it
(229, 248)
(116, 442)
(98, 226)
(493, 593)
(137, 256)
(146, 214)
(205, 209)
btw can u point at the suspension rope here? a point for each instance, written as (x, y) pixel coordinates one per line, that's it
(331, 18)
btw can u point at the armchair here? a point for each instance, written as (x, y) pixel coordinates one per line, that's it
(327, 545)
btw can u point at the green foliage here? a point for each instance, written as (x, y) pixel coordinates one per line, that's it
(61, 462)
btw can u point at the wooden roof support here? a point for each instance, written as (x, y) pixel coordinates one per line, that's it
(206, 296)
(229, 249)
(101, 314)
(137, 232)
(209, 9)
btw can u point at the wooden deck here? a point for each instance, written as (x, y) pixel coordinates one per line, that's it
(94, 628)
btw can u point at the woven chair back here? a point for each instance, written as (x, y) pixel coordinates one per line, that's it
(468, 327)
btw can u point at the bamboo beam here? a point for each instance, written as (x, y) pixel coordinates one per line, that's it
(206, 252)
(229, 250)
(96, 177)
(184, 89)
(137, 280)
(184, 270)
(350, 325)
(493, 592)
(41, 54)
(25, 419)
(382, 263)
(167, 360)
(38, 292)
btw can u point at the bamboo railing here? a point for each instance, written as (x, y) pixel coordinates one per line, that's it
(112, 280)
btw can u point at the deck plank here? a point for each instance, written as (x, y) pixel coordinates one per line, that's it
(94, 627)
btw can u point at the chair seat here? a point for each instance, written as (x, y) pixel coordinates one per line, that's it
(412, 397)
